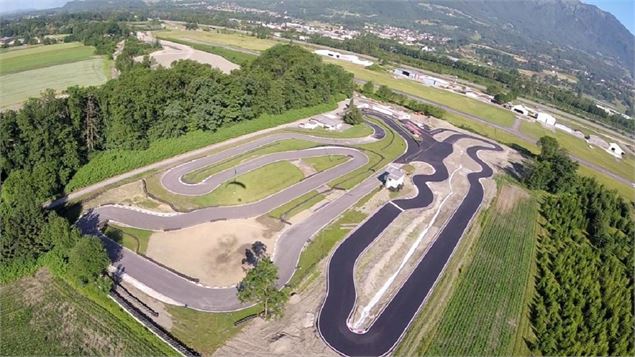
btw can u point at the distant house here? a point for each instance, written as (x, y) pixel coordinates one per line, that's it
(546, 118)
(394, 178)
(615, 150)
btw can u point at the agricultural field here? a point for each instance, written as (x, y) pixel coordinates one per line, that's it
(25, 73)
(25, 59)
(231, 39)
(43, 315)
(484, 311)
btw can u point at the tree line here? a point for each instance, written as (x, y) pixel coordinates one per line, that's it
(583, 303)
(43, 144)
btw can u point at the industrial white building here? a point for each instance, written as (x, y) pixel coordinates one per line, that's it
(420, 77)
(349, 58)
(546, 119)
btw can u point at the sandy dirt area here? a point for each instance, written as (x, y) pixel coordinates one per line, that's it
(294, 334)
(131, 194)
(386, 264)
(173, 51)
(213, 252)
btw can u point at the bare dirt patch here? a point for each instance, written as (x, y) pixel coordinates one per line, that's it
(131, 194)
(508, 197)
(173, 51)
(213, 252)
(292, 335)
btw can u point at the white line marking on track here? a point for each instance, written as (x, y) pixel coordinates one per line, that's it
(394, 204)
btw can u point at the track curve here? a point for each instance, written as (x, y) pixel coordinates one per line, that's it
(386, 330)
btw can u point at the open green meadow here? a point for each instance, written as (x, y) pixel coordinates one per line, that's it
(480, 305)
(43, 315)
(18, 87)
(43, 56)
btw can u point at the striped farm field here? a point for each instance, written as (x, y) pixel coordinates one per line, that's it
(18, 87)
(484, 310)
(26, 59)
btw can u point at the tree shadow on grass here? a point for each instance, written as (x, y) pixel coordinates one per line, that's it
(237, 183)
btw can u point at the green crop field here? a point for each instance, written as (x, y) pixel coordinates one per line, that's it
(18, 87)
(43, 56)
(486, 313)
(43, 315)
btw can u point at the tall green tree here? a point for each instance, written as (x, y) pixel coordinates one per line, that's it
(87, 260)
(353, 115)
(259, 286)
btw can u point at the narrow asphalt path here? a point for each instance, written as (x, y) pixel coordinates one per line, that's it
(390, 325)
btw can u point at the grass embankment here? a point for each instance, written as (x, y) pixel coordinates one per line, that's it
(380, 154)
(321, 163)
(206, 332)
(297, 205)
(356, 131)
(43, 315)
(237, 57)
(43, 56)
(132, 238)
(480, 305)
(114, 162)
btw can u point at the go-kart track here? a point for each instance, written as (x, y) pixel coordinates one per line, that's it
(386, 330)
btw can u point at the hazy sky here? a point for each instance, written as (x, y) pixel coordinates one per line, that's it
(624, 10)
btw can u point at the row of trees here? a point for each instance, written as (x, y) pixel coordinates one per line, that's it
(583, 302)
(388, 95)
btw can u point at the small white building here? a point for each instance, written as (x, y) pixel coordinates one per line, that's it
(394, 178)
(615, 150)
(311, 124)
(546, 118)
(349, 58)
(520, 109)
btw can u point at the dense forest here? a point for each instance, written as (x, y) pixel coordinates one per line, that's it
(583, 303)
(43, 144)
(389, 50)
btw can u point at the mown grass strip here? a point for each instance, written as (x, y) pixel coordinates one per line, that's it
(41, 57)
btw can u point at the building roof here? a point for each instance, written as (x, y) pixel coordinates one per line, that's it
(329, 120)
(394, 173)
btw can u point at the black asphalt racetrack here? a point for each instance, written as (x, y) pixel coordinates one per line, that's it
(389, 326)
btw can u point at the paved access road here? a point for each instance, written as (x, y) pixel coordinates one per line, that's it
(168, 284)
(390, 325)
